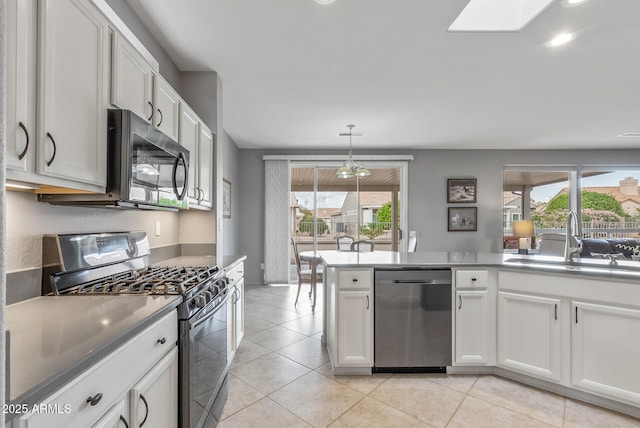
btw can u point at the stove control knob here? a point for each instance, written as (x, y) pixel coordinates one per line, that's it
(208, 296)
(200, 301)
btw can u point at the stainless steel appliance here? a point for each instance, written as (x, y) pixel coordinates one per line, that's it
(108, 263)
(145, 168)
(412, 320)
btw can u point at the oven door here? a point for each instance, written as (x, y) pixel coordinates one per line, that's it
(158, 174)
(204, 365)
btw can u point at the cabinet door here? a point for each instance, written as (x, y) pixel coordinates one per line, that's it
(21, 87)
(73, 71)
(205, 166)
(154, 400)
(117, 417)
(355, 328)
(167, 104)
(472, 327)
(131, 79)
(529, 335)
(238, 313)
(189, 139)
(605, 350)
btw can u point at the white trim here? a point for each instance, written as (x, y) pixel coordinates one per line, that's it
(338, 157)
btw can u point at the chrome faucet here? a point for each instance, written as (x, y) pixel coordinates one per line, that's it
(573, 237)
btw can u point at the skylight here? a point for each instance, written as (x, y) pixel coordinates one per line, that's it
(498, 15)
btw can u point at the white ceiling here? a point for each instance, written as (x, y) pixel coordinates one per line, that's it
(295, 73)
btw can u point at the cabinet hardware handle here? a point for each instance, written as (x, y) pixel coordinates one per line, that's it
(146, 413)
(124, 421)
(160, 111)
(95, 399)
(576, 315)
(151, 116)
(367, 302)
(24, 152)
(460, 299)
(355, 279)
(556, 311)
(162, 341)
(474, 279)
(54, 149)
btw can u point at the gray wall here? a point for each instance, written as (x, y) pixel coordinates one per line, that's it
(428, 175)
(232, 171)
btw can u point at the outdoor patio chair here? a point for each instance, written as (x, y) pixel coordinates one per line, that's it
(362, 246)
(344, 243)
(304, 272)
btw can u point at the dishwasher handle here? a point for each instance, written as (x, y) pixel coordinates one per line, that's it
(414, 281)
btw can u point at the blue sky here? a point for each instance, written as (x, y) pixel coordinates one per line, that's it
(545, 193)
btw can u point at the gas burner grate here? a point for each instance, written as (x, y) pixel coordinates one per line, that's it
(149, 280)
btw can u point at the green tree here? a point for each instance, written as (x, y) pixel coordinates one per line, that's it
(590, 201)
(306, 225)
(383, 214)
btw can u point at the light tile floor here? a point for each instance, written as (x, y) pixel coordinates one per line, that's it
(281, 377)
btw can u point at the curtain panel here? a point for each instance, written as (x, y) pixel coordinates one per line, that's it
(277, 192)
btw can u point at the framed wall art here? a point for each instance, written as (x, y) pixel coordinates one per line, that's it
(461, 190)
(462, 219)
(226, 198)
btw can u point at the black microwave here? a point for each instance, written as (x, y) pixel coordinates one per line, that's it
(145, 168)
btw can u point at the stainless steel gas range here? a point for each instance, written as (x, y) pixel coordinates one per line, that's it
(118, 263)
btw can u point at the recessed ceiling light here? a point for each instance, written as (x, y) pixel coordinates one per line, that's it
(324, 1)
(630, 135)
(561, 39)
(572, 2)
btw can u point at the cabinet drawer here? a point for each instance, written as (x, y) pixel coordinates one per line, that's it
(355, 279)
(111, 377)
(236, 274)
(472, 279)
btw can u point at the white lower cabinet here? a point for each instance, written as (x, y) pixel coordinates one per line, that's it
(472, 327)
(605, 351)
(475, 317)
(117, 417)
(350, 319)
(530, 335)
(151, 398)
(355, 329)
(146, 366)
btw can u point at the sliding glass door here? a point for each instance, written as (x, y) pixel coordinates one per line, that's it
(324, 207)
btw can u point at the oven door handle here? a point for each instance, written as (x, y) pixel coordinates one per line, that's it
(209, 314)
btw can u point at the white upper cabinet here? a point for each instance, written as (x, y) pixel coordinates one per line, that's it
(166, 103)
(73, 74)
(188, 138)
(21, 89)
(131, 79)
(205, 166)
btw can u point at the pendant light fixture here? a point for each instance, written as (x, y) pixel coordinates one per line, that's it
(351, 169)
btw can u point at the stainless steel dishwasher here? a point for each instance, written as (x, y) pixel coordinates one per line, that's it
(412, 320)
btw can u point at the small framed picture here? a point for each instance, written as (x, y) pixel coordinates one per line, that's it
(226, 198)
(462, 219)
(461, 190)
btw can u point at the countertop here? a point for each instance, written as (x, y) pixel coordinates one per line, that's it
(55, 338)
(227, 261)
(625, 270)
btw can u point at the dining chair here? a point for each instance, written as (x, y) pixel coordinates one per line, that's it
(304, 272)
(344, 243)
(362, 246)
(412, 244)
